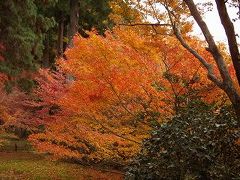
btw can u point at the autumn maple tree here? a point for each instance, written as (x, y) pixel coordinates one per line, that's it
(121, 86)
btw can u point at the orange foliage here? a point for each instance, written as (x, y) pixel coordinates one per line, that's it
(119, 87)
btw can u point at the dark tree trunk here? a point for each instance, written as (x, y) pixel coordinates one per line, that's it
(231, 36)
(234, 98)
(60, 37)
(15, 147)
(74, 15)
(46, 56)
(239, 9)
(237, 110)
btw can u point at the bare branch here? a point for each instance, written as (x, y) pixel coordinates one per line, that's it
(112, 132)
(208, 66)
(231, 36)
(212, 45)
(145, 24)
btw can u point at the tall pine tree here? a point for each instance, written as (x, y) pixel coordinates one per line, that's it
(33, 32)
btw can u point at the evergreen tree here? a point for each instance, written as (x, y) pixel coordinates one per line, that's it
(75, 16)
(33, 32)
(22, 32)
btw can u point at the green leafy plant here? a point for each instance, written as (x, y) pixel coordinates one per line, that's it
(195, 144)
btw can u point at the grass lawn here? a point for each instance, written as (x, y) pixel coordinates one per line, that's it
(25, 164)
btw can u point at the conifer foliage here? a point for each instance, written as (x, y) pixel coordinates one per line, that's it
(32, 33)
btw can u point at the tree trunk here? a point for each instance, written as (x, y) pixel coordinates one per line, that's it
(211, 43)
(46, 52)
(239, 9)
(234, 98)
(226, 84)
(74, 15)
(231, 36)
(237, 110)
(60, 37)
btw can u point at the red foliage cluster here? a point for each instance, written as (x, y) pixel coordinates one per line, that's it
(29, 111)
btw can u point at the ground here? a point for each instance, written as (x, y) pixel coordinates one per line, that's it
(27, 164)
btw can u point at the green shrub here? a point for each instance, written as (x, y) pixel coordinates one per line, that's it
(195, 144)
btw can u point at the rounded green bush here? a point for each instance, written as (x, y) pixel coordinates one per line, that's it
(197, 143)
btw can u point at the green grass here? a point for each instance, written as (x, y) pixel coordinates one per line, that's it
(28, 166)
(25, 164)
